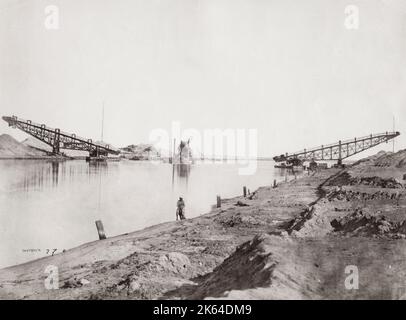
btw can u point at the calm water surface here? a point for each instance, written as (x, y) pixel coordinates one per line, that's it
(53, 205)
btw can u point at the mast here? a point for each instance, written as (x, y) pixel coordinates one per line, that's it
(173, 154)
(102, 128)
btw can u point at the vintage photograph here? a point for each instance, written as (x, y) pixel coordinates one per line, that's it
(202, 150)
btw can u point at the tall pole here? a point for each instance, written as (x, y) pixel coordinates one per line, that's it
(173, 154)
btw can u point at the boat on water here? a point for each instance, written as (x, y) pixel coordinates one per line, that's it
(184, 154)
(101, 158)
(284, 165)
(95, 159)
(113, 159)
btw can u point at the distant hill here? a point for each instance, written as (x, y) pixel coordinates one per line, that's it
(11, 148)
(140, 152)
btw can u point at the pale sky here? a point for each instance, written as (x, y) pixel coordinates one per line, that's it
(289, 69)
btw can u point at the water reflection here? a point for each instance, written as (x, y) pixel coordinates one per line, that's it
(36, 176)
(49, 174)
(97, 167)
(183, 170)
(55, 173)
(182, 173)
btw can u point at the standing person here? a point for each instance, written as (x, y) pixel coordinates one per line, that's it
(180, 210)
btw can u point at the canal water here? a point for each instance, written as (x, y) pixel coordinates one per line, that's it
(46, 207)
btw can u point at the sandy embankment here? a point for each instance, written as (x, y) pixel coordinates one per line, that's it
(10, 148)
(293, 241)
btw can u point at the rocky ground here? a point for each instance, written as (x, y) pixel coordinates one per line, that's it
(296, 241)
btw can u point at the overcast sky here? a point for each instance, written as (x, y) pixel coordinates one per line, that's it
(290, 69)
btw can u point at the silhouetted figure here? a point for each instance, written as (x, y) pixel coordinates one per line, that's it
(180, 210)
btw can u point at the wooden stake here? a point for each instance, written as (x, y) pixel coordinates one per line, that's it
(100, 230)
(274, 183)
(218, 202)
(244, 191)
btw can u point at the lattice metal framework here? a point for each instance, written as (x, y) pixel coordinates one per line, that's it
(339, 150)
(58, 139)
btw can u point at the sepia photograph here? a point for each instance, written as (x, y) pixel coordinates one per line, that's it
(201, 150)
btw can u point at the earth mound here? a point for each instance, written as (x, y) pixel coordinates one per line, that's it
(363, 223)
(397, 160)
(11, 148)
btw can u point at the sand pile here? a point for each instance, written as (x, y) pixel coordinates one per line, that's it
(250, 266)
(11, 148)
(351, 195)
(345, 179)
(377, 182)
(363, 223)
(139, 276)
(267, 267)
(390, 159)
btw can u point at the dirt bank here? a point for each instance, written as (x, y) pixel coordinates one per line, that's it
(10, 148)
(293, 241)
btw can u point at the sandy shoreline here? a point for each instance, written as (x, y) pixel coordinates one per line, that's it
(293, 241)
